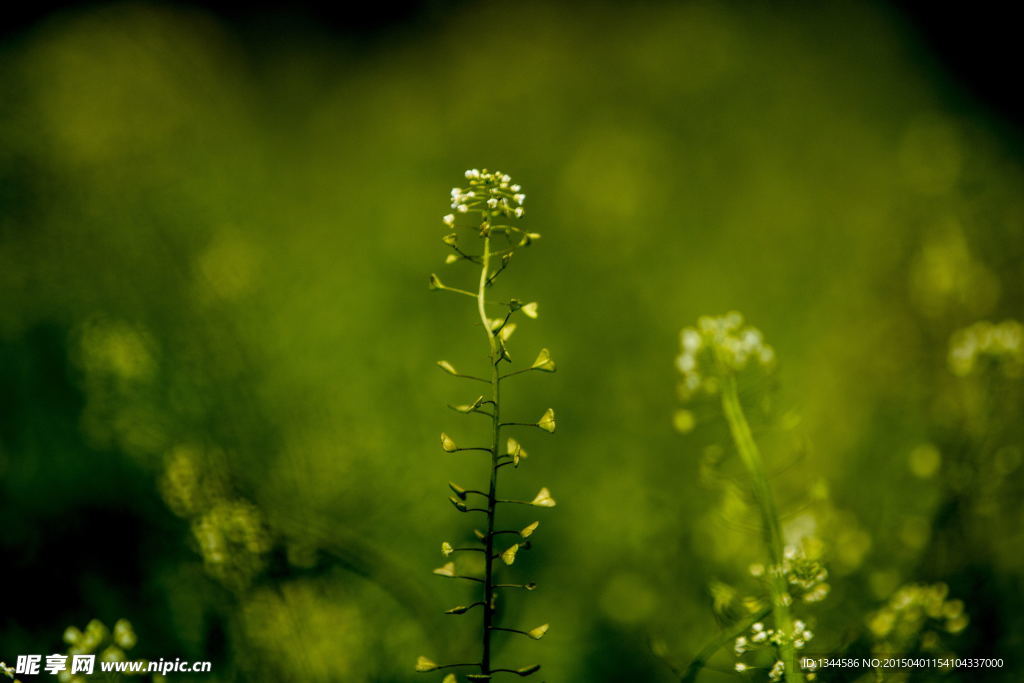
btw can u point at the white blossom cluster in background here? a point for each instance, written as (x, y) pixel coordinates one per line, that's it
(719, 345)
(491, 193)
(985, 342)
(806, 579)
(761, 636)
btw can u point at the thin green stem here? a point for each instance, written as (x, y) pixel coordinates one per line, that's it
(473, 377)
(516, 372)
(469, 257)
(453, 666)
(446, 288)
(474, 411)
(495, 358)
(467, 578)
(494, 276)
(463, 610)
(692, 671)
(511, 630)
(752, 459)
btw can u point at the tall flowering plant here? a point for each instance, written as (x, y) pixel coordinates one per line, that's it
(482, 230)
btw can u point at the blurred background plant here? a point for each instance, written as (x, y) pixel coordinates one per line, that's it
(108, 645)
(218, 410)
(716, 358)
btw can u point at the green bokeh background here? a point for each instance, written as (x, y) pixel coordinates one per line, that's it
(214, 249)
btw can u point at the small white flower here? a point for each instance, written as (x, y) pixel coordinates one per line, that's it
(732, 321)
(449, 220)
(463, 208)
(519, 212)
(492, 203)
(690, 339)
(520, 198)
(686, 362)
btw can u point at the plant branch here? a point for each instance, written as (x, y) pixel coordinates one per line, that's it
(472, 377)
(511, 630)
(469, 257)
(752, 459)
(452, 666)
(698, 662)
(516, 372)
(456, 290)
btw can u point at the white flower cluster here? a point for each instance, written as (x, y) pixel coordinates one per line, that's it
(719, 345)
(490, 193)
(806, 580)
(762, 636)
(998, 344)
